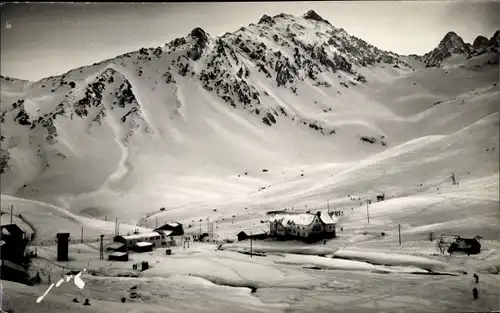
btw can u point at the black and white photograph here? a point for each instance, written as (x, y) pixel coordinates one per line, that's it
(250, 157)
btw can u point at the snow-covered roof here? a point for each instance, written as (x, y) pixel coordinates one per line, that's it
(116, 245)
(297, 219)
(140, 236)
(143, 244)
(165, 232)
(327, 219)
(2, 243)
(174, 224)
(302, 219)
(119, 253)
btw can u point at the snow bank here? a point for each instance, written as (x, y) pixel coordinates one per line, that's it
(490, 266)
(346, 265)
(226, 268)
(391, 259)
(275, 248)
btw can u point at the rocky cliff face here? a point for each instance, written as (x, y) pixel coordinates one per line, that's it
(453, 44)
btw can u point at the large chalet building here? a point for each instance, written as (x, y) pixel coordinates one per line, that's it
(303, 226)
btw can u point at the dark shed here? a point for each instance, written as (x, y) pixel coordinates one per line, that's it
(242, 236)
(13, 243)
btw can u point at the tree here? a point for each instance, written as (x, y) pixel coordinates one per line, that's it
(442, 245)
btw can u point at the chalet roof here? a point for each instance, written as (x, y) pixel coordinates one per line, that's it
(141, 236)
(118, 254)
(303, 219)
(297, 219)
(143, 244)
(165, 232)
(170, 225)
(327, 219)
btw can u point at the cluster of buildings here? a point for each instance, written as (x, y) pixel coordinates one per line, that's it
(144, 242)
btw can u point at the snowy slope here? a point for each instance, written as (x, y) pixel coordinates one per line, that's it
(191, 126)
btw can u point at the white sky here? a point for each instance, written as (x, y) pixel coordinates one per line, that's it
(43, 39)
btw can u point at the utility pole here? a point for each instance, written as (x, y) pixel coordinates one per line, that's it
(101, 250)
(399, 232)
(81, 236)
(116, 226)
(367, 212)
(156, 222)
(328, 206)
(453, 178)
(208, 227)
(251, 253)
(11, 213)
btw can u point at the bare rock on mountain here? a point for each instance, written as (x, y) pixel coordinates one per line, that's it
(480, 42)
(495, 39)
(200, 42)
(312, 15)
(450, 45)
(266, 19)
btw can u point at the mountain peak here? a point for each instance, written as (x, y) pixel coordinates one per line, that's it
(495, 39)
(199, 34)
(312, 15)
(480, 42)
(451, 44)
(266, 19)
(201, 40)
(451, 35)
(452, 41)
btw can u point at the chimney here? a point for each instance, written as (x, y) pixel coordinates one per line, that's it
(318, 213)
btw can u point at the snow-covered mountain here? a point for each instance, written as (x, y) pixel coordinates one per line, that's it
(9, 84)
(205, 118)
(453, 45)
